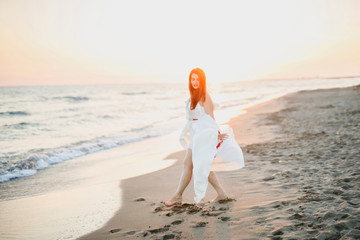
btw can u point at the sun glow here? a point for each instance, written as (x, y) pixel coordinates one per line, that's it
(62, 42)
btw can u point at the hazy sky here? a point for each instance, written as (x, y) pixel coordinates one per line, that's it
(114, 41)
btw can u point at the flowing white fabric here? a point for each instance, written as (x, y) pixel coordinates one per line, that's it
(201, 135)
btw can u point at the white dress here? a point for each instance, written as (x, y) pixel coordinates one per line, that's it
(200, 134)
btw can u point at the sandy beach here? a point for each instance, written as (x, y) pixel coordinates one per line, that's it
(94, 98)
(301, 179)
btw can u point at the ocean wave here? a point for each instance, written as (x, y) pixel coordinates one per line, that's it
(106, 116)
(140, 128)
(232, 104)
(133, 93)
(38, 161)
(14, 113)
(20, 125)
(72, 98)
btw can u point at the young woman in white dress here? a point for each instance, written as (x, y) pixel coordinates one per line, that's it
(207, 147)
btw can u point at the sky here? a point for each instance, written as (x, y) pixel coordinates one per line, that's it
(113, 41)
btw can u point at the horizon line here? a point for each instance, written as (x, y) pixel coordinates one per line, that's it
(162, 82)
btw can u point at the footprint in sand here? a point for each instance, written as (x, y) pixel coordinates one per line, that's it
(226, 200)
(130, 232)
(200, 224)
(224, 219)
(115, 230)
(159, 230)
(139, 200)
(211, 214)
(193, 209)
(168, 236)
(223, 208)
(158, 209)
(177, 222)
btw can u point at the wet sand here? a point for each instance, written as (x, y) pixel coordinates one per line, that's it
(301, 179)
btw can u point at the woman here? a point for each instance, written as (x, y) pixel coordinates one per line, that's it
(206, 144)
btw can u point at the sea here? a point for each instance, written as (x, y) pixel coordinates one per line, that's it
(45, 125)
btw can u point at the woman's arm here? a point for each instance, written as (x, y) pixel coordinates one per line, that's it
(209, 109)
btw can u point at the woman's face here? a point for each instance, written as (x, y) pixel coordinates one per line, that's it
(195, 83)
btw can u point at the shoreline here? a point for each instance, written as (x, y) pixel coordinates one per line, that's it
(74, 191)
(79, 199)
(36, 159)
(278, 193)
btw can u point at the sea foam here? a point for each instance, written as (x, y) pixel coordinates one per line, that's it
(39, 161)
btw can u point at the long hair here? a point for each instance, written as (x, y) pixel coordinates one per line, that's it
(198, 94)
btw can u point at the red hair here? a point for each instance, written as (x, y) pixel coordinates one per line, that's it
(198, 94)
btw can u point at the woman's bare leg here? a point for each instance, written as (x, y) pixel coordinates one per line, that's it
(216, 185)
(184, 180)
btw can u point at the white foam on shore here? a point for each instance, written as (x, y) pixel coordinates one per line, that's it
(29, 166)
(94, 194)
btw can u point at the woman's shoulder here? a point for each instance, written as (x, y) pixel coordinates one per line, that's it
(208, 99)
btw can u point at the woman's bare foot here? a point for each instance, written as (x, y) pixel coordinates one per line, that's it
(220, 198)
(173, 201)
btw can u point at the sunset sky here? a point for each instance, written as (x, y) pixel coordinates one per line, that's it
(109, 41)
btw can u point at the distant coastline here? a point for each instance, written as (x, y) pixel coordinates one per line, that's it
(308, 78)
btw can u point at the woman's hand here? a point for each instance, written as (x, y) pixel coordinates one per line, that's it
(222, 136)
